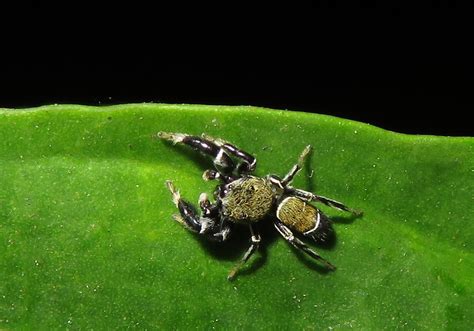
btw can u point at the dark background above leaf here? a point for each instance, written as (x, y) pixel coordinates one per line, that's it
(379, 65)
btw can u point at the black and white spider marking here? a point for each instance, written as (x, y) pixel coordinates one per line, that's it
(242, 198)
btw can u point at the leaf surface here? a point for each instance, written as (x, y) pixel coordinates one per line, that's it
(87, 240)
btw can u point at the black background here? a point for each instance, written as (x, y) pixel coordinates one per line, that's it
(382, 66)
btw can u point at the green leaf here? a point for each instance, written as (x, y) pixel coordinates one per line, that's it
(87, 239)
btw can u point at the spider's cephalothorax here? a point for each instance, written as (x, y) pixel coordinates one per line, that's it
(245, 199)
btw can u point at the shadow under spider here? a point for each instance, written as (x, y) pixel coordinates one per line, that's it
(235, 247)
(345, 219)
(239, 241)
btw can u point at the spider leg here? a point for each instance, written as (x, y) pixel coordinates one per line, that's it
(308, 196)
(207, 224)
(297, 167)
(222, 160)
(254, 243)
(249, 162)
(337, 205)
(288, 235)
(211, 174)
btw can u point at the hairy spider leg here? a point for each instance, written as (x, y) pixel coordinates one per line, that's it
(249, 162)
(211, 174)
(222, 161)
(288, 235)
(308, 196)
(297, 167)
(190, 219)
(208, 209)
(254, 243)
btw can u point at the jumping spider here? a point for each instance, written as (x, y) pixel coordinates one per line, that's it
(245, 199)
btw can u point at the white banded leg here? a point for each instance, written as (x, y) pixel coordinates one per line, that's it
(289, 236)
(206, 225)
(297, 167)
(221, 159)
(254, 243)
(308, 196)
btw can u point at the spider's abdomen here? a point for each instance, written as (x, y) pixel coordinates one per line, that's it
(297, 214)
(247, 200)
